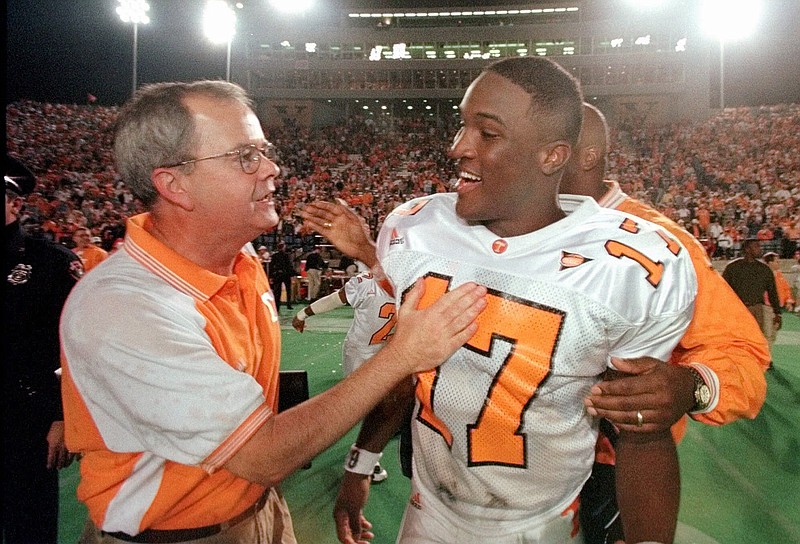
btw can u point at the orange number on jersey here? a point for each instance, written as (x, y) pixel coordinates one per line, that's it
(387, 311)
(672, 245)
(435, 287)
(654, 269)
(629, 225)
(533, 331)
(412, 211)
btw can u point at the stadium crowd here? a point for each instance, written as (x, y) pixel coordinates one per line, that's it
(731, 177)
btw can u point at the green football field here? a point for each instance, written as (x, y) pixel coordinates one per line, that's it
(740, 482)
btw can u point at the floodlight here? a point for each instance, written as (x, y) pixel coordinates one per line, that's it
(729, 20)
(134, 11)
(219, 26)
(219, 22)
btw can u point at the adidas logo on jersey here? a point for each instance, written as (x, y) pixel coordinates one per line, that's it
(416, 501)
(572, 260)
(396, 239)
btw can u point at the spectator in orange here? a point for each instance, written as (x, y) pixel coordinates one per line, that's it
(765, 234)
(90, 254)
(782, 284)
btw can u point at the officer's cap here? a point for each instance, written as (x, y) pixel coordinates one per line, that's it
(18, 178)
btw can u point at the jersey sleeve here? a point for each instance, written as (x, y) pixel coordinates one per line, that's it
(659, 305)
(358, 288)
(723, 337)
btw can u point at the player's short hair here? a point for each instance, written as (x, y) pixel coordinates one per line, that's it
(554, 92)
(156, 128)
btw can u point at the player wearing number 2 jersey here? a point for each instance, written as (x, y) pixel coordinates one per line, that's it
(373, 318)
(373, 323)
(502, 444)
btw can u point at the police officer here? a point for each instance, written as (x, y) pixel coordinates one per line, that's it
(38, 276)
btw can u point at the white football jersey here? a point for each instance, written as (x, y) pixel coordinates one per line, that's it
(373, 320)
(500, 431)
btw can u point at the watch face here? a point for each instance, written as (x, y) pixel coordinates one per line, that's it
(704, 395)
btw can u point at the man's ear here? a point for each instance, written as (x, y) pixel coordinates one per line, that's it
(17, 203)
(590, 157)
(554, 156)
(171, 187)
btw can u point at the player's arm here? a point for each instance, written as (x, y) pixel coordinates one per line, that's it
(380, 425)
(775, 302)
(648, 486)
(423, 339)
(327, 303)
(723, 346)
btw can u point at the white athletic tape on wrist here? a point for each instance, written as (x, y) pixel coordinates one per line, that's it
(361, 461)
(302, 315)
(327, 303)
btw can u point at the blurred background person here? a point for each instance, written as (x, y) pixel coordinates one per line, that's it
(39, 276)
(281, 272)
(785, 297)
(90, 254)
(752, 280)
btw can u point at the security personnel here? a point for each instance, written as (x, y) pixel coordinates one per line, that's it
(38, 276)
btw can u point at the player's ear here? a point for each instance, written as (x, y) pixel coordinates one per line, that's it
(554, 156)
(590, 157)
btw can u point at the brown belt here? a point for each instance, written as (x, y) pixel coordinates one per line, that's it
(157, 536)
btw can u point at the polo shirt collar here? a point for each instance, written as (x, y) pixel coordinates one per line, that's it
(174, 268)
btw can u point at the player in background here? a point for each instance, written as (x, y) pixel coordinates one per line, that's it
(373, 322)
(502, 442)
(717, 370)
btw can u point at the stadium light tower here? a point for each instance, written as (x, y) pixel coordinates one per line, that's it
(219, 25)
(134, 11)
(728, 20)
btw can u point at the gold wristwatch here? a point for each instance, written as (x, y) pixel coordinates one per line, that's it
(702, 393)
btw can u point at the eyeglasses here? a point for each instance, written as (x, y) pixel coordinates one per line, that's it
(249, 157)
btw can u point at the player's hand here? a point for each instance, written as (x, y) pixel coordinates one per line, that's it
(343, 227)
(298, 325)
(429, 332)
(58, 456)
(662, 392)
(348, 510)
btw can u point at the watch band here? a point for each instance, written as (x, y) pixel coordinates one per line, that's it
(702, 393)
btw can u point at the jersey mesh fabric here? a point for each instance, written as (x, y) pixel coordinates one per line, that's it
(500, 431)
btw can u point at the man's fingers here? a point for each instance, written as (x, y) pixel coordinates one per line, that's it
(639, 365)
(413, 297)
(628, 420)
(352, 530)
(343, 530)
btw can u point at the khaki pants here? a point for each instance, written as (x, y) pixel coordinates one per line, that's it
(314, 281)
(271, 525)
(765, 317)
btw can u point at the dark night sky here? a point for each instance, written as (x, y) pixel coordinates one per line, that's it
(59, 51)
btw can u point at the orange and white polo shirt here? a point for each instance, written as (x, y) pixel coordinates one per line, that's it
(168, 369)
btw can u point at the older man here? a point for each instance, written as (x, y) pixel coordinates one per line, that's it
(171, 349)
